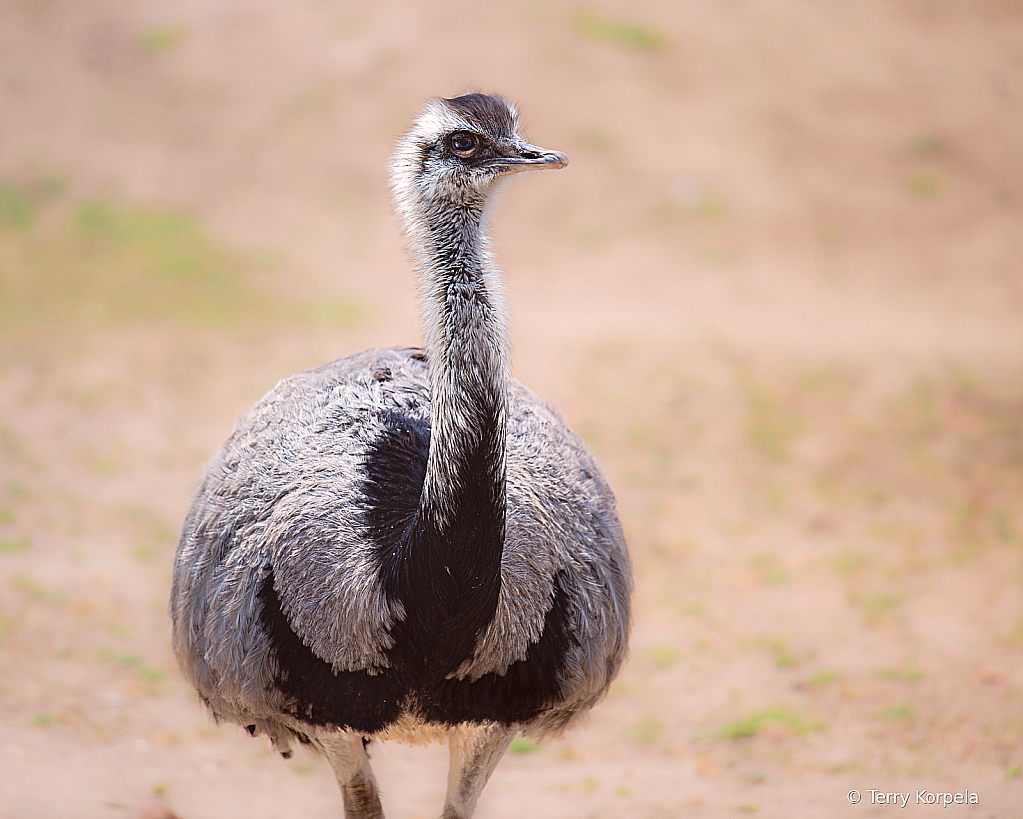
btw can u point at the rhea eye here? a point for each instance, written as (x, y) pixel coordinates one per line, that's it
(464, 144)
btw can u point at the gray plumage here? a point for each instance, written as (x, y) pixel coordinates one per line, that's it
(417, 526)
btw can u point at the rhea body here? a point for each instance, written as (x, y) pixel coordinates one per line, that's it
(408, 543)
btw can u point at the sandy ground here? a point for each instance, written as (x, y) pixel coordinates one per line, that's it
(778, 290)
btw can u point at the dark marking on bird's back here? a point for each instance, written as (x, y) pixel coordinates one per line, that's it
(395, 468)
(317, 693)
(368, 703)
(444, 568)
(528, 688)
(491, 113)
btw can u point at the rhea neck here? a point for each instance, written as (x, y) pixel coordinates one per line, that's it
(453, 562)
(463, 494)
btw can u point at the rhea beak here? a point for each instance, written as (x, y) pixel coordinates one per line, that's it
(526, 157)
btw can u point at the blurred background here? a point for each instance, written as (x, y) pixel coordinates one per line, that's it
(778, 291)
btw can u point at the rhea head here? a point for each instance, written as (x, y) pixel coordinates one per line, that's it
(458, 148)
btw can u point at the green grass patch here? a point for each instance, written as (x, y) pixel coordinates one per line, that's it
(907, 674)
(145, 553)
(710, 205)
(925, 185)
(28, 585)
(119, 630)
(158, 39)
(900, 712)
(647, 731)
(15, 489)
(756, 723)
(586, 785)
(1014, 635)
(521, 745)
(628, 33)
(14, 545)
(772, 422)
(718, 254)
(7, 625)
(848, 564)
(878, 605)
(819, 679)
(99, 264)
(927, 144)
(131, 662)
(691, 608)
(20, 204)
(597, 138)
(139, 666)
(17, 207)
(769, 570)
(664, 656)
(153, 536)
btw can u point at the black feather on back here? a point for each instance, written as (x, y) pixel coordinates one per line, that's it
(320, 695)
(368, 703)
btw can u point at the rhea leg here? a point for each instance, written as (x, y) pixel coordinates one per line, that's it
(347, 756)
(475, 752)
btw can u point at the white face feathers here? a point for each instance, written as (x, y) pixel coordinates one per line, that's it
(458, 148)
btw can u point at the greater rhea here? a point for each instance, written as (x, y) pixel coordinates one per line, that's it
(408, 543)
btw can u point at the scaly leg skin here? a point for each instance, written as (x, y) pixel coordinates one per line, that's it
(347, 756)
(475, 752)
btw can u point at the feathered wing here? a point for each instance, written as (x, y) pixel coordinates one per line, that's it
(563, 536)
(284, 495)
